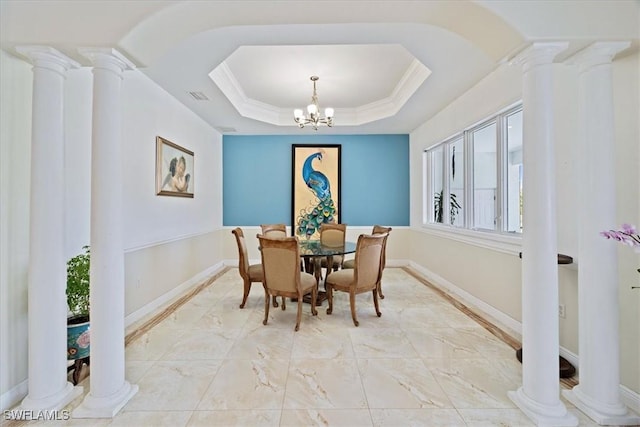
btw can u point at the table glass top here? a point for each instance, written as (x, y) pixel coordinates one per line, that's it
(314, 248)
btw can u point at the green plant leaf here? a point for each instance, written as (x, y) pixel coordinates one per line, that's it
(78, 282)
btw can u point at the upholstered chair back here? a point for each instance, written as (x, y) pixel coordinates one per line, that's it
(274, 230)
(280, 263)
(368, 260)
(333, 234)
(378, 229)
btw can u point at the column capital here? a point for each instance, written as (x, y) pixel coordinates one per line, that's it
(107, 58)
(598, 53)
(539, 53)
(47, 57)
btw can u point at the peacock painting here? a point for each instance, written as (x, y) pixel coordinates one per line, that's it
(314, 201)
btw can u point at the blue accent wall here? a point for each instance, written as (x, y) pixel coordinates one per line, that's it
(257, 178)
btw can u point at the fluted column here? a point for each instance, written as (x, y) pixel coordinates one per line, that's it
(48, 385)
(109, 391)
(539, 396)
(598, 394)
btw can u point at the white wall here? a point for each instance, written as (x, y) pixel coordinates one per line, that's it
(150, 111)
(169, 241)
(626, 90)
(77, 158)
(155, 227)
(496, 280)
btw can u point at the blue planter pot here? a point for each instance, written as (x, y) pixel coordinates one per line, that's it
(78, 337)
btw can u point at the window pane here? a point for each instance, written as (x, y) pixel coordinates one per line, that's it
(484, 177)
(436, 179)
(514, 172)
(456, 182)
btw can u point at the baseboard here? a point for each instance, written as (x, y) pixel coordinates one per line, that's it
(571, 358)
(630, 398)
(12, 397)
(511, 324)
(232, 262)
(395, 263)
(176, 292)
(485, 308)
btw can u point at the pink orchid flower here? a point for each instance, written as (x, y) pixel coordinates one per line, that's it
(627, 235)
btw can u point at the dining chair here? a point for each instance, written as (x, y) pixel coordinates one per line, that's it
(282, 275)
(274, 230)
(250, 273)
(364, 277)
(278, 231)
(333, 235)
(350, 263)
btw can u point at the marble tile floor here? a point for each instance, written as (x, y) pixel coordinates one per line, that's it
(425, 362)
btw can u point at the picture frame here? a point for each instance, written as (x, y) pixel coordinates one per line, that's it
(315, 177)
(174, 169)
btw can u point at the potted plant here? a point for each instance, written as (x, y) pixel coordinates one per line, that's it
(78, 303)
(438, 207)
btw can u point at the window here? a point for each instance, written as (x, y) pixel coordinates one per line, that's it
(456, 182)
(437, 187)
(485, 183)
(474, 179)
(514, 172)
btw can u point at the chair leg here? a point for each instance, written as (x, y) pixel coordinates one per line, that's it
(352, 303)
(314, 297)
(275, 302)
(380, 290)
(299, 316)
(266, 306)
(375, 302)
(329, 289)
(247, 288)
(284, 305)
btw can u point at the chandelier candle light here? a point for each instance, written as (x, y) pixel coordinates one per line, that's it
(313, 110)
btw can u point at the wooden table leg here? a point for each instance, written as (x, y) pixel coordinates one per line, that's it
(317, 269)
(329, 268)
(317, 273)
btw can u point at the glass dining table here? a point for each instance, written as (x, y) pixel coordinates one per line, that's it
(312, 252)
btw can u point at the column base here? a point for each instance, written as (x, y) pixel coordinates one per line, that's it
(105, 407)
(54, 402)
(543, 415)
(603, 414)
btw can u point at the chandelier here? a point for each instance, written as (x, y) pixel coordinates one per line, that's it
(313, 117)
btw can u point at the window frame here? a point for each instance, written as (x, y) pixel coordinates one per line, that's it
(499, 238)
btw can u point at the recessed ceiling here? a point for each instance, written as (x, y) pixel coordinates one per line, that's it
(363, 83)
(177, 44)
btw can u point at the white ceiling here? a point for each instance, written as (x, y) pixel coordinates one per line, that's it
(363, 83)
(362, 51)
(372, 71)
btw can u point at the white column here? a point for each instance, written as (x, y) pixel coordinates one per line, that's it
(109, 391)
(48, 385)
(598, 394)
(539, 396)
